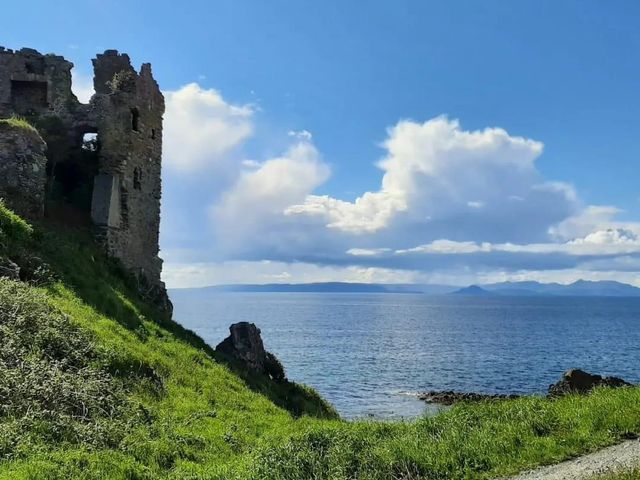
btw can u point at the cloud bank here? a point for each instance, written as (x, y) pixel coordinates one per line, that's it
(451, 204)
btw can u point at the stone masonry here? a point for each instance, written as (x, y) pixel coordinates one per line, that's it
(22, 170)
(115, 179)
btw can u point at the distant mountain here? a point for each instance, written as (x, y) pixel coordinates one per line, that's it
(522, 289)
(324, 287)
(473, 290)
(583, 288)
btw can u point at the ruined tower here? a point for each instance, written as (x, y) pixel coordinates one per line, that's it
(103, 158)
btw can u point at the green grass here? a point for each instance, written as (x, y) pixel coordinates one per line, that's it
(95, 383)
(18, 122)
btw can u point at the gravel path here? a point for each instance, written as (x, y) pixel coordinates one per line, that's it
(619, 457)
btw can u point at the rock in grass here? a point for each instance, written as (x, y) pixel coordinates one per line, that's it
(579, 381)
(9, 269)
(245, 344)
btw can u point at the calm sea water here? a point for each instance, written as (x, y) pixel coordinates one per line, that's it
(368, 354)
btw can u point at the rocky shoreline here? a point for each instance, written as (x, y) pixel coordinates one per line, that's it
(572, 381)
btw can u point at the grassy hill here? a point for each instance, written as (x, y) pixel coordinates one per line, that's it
(97, 384)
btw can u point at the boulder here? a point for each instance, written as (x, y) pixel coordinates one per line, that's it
(9, 269)
(579, 381)
(245, 345)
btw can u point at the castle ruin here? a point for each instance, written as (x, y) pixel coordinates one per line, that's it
(103, 159)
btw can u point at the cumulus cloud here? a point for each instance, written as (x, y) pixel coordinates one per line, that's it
(201, 128)
(591, 219)
(454, 206)
(253, 207)
(436, 172)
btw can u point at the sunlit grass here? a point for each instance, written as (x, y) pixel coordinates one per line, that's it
(182, 414)
(18, 122)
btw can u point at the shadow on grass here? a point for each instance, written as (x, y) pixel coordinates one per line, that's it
(298, 399)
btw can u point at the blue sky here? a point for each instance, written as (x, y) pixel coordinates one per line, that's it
(299, 101)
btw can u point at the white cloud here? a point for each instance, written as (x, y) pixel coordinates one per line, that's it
(591, 219)
(367, 252)
(253, 207)
(201, 128)
(448, 247)
(472, 201)
(432, 169)
(602, 242)
(610, 236)
(82, 86)
(301, 135)
(193, 275)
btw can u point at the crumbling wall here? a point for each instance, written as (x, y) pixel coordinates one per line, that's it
(123, 179)
(22, 170)
(35, 84)
(128, 110)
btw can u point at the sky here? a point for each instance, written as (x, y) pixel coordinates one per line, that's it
(404, 141)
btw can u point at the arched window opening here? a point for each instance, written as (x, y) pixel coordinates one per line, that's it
(135, 120)
(90, 142)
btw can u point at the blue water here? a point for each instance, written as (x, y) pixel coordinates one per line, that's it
(368, 354)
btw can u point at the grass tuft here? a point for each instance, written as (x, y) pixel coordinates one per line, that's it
(18, 122)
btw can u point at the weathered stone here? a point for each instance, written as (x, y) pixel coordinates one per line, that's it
(22, 170)
(115, 180)
(9, 269)
(245, 344)
(579, 381)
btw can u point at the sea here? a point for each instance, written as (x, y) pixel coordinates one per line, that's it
(370, 355)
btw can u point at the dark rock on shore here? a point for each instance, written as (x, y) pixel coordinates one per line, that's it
(244, 344)
(450, 397)
(573, 381)
(579, 381)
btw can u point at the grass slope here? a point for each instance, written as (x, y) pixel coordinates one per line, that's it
(95, 383)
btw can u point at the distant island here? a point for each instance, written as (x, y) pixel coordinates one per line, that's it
(473, 290)
(581, 288)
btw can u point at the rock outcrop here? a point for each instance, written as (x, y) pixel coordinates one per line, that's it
(573, 381)
(579, 381)
(9, 269)
(449, 397)
(244, 344)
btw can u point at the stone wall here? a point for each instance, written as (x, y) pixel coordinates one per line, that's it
(129, 124)
(22, 170)
(121, 178)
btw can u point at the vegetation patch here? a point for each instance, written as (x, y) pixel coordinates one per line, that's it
(96, 383)
(52, 390)
(18, 122)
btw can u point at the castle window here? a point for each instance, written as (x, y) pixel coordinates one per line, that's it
(27, 97)
(137, 178)
(34, 66)
(153, 133)
(90, 142)
(135, 119)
